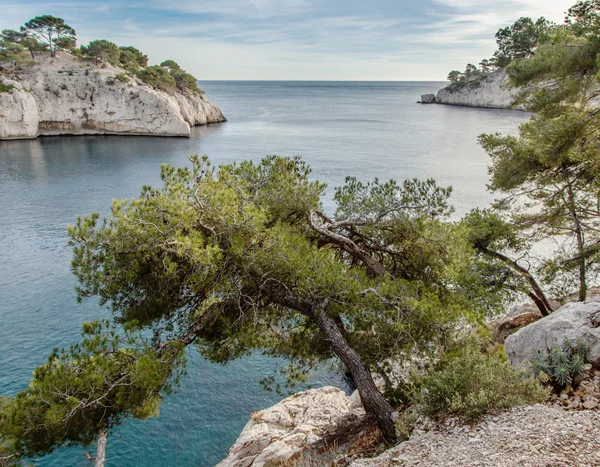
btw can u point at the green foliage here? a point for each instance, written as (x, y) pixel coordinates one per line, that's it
(563, 365)
(584, 17)
(51, 32)
(122, 77)
(6, 87)
(225, 244)
(472, 76)
(549, 175)
(184, 81)
(105, 379)
(132, 59)
(520, 40)
(468, 383)
(102, 51)
(157, 77)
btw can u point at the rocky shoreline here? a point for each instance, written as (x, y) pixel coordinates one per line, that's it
(492, 92)
(66, 95)
(326, 427)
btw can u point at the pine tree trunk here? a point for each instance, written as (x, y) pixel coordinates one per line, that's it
(373, 401)
(541, 301)
(580, 244)
(101, 449)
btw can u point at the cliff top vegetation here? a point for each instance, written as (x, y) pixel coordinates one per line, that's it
(50, 34)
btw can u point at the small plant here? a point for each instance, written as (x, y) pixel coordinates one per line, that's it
(406, 424)
(563, 365)
(110, 81)
(6, 87)
(122, 77)
(469, 383)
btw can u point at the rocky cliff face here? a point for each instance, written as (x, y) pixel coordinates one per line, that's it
(64, 95)
(492, 92)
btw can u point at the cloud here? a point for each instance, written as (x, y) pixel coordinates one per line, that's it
(297, 39)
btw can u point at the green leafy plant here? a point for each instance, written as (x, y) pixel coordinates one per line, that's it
(468, 383)
(122, 77)
(6, 87)
(563, 365)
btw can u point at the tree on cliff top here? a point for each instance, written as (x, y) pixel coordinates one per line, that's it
(519, 40)
(103, 51)
(50, 31)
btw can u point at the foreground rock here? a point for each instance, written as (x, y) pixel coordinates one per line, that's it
(281, 433)
(577, 320)
(533, 436)
(492, 92)
(65, 95)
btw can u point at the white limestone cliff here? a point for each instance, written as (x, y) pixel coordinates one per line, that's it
(491, 92)
(65, 95)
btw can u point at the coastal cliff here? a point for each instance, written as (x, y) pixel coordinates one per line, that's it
(66, 95)
(492, 91)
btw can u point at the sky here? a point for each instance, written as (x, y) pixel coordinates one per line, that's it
(381, 40)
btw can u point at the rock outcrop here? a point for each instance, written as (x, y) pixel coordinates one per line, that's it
(491, 92)
(573, 320)
(282, 432)
(427, 99)
(65, 95)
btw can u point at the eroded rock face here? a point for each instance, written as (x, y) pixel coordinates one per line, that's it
(280, 433)
(573, 320)
(74, 96)
(18, 112)
(492, 92)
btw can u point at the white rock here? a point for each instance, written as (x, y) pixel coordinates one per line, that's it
(492, 92)
(281, 432)
(573, 320)
(74, 96)
(18, 112)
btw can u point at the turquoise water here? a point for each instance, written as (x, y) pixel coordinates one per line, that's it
(363, 129)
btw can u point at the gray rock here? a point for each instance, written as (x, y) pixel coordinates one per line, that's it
(573, 320)
(428, 99)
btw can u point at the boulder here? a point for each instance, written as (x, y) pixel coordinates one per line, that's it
(282, 432)
(576, 320)
(428, 99)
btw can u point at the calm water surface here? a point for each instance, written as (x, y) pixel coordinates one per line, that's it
(362, 129)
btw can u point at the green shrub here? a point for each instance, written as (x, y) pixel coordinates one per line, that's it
(469, 383)
(157, 77)
(564, 364)
(122, 77)
(6, 87)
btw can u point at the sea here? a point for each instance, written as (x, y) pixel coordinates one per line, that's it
(360, 129)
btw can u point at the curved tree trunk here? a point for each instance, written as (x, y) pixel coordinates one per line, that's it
(541, 301)
(373, 401)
